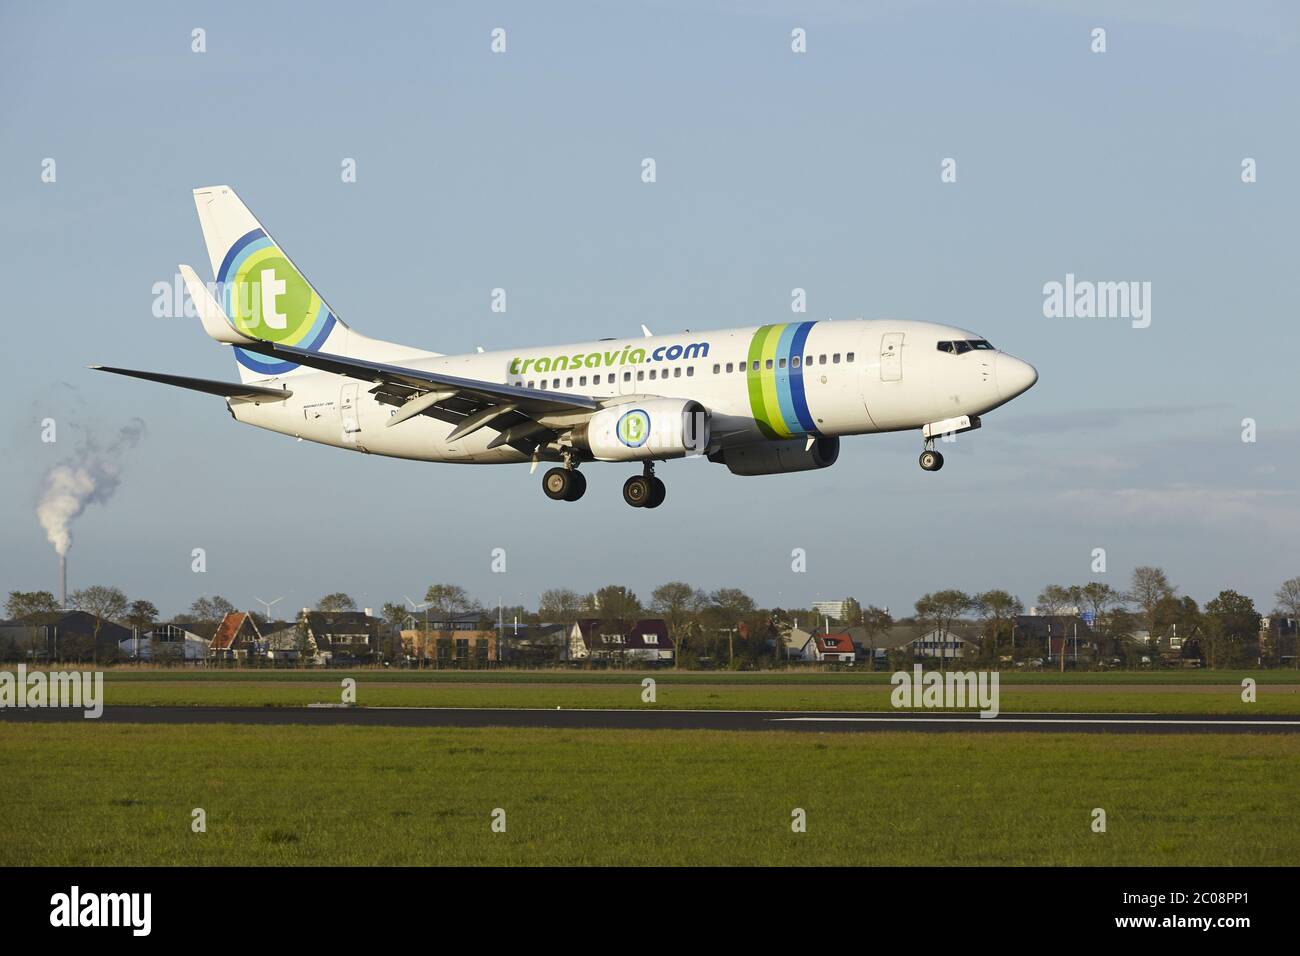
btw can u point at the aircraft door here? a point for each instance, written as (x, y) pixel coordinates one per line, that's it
(348, 412)
(891, 357)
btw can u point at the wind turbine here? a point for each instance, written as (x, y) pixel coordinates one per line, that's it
(268, 604)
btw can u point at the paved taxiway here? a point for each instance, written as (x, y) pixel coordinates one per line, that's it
(818, 721)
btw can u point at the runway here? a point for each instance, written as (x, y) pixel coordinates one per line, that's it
(816, 722)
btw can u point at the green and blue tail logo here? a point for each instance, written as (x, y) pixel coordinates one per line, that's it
(267, 297)
(775, 377)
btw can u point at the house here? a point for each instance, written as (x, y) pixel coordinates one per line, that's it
(834, 648)
(343, 636)
(533, 643)
(236, 639)
(647, 640)
(166, 643)
(798, 645)
(1277, 638)
(1054, 634)
(918, 640)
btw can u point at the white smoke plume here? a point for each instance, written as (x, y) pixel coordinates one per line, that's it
(90, 475)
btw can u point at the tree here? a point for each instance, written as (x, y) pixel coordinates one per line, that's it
(210, 609)
(1231, 624)
(395, 616)
(619, 607)
(1288, 604)
(32, 607)
(104, 604)
(678, 602)
(727, 608)
(1054, 599)
(449, 600)
(940, 609)
(142, 615)
(335, 603)
(996, 607)
(876, 622)
(1150, 586)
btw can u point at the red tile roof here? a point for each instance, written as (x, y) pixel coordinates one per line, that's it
(838, 643)
(228, 630)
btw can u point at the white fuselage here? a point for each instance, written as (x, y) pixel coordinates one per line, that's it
(761, 382)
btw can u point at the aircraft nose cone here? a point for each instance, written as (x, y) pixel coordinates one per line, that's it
(1014, 376)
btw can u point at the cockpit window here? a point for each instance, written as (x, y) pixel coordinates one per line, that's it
(962, 346)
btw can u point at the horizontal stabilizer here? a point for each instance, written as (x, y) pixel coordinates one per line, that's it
(251, 393)
(215, 321)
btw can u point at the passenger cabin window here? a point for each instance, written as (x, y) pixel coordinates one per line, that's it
(677, 372)
(730, 367)
(780, 363)
(835, 359)
(582, 380)
(640, 376)
(849, 358)
(690, 371)
(794, 361)
(718, 368)
(627, 376)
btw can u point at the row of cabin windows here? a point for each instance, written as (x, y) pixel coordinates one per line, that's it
(780, 363)
(731, 367)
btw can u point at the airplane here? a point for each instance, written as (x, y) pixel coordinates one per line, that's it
(761, 400)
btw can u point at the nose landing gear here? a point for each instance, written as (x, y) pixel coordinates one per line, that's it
(931, 460)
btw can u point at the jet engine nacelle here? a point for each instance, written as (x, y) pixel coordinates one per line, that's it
(778, 457)
(637, 431)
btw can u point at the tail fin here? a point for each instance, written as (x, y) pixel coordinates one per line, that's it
(264, 295)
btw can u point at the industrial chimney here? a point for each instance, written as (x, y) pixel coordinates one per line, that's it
(63, 581)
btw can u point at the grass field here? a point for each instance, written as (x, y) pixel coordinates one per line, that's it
(1148, 692)
(123, 794)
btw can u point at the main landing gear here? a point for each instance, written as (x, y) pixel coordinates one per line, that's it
(931, 460)
(568, 484)
(564, 484)
(645, 490)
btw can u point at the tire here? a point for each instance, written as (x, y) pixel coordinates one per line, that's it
(931, 461)
(637, 490)
(557, 484)
(658, 491)
(577, 485)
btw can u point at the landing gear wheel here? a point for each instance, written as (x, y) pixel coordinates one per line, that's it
(578, 485)
(931, 460)
(637, 490)
(658, 492)
(558, 483)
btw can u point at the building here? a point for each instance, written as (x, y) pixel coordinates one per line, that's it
(1054, 634)
(835, 610)
(647, 641)
(166, 643)
(458, 640)
(834, 648)
(1278, 638)
(236, 639)
(344, 637)
(798, 645)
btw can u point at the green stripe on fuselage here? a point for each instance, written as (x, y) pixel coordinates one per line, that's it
(763, 404)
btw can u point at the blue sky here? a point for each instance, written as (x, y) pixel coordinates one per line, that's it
(775, 171)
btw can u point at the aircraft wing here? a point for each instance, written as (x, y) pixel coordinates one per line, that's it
(516, 413)
(487, 393)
